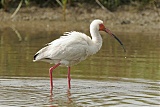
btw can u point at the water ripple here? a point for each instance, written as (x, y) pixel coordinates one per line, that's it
(113, 92)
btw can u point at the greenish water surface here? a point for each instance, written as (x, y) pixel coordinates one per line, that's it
(108, 78)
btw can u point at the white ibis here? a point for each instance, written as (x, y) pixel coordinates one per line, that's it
(73, 48)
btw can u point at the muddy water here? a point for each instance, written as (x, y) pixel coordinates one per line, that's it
(109, 78)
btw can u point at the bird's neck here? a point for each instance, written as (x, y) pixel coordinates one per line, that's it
(96, 38)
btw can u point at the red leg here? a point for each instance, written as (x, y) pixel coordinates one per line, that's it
(50, 73)
(69, 78)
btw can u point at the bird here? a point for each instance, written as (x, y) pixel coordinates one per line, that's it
(73, 47)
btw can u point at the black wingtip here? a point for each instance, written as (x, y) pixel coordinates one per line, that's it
(34, 58)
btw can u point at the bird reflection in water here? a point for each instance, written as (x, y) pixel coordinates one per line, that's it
(53, 101)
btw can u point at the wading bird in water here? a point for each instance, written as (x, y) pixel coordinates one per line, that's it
(72, 48)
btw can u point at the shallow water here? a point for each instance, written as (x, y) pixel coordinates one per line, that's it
(114, 91)
(109, 78)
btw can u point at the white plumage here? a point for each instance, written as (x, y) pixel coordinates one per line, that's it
(69, 49)
(72, 48)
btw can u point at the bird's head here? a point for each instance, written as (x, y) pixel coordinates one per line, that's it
(98, 24)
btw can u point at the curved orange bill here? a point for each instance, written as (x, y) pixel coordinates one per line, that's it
(110, 33)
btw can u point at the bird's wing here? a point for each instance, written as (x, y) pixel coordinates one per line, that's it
(71, 47)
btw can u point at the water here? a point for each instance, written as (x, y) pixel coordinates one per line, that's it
(114, 91)
(109, 78)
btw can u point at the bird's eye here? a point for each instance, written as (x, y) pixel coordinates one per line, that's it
(101, 27)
